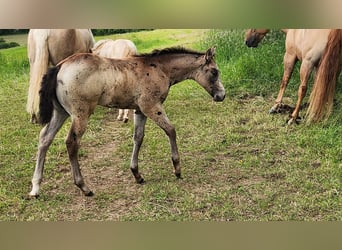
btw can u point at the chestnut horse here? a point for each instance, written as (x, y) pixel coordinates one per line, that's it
(82, 81)
(119, 48)
(50, 46)
(305, 45)
(321, 98)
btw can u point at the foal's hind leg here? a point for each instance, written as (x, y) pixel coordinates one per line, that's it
(47, 134)
(139, 132)
(76, 132)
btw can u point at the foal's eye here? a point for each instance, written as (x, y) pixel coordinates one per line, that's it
(214, 72)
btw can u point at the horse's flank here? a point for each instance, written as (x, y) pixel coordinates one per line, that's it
(48, 47)
(321, 98)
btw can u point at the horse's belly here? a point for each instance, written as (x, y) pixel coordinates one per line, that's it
(117, 99)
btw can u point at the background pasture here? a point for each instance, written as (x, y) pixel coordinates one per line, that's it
(238, 162)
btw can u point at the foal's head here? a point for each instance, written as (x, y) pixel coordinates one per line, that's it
(254, 36)
(208, 76)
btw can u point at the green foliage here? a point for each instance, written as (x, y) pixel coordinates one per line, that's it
(6, 45)
(245, 68)
(105, 32)
(13, 31)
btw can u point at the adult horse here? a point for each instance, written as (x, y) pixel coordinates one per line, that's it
(82, 81)
(305, 45)
(119, 48)
(50, 46)
(321, 98)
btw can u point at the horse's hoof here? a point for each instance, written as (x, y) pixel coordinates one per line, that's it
(30, 197)
(179, 176)
(272, 111)
(125, 120)
(89, 194)
(292, 120)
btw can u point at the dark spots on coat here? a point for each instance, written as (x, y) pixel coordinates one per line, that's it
(147, 74)
(153, 65)
(159, 113)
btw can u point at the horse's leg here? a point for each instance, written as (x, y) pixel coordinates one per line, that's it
(120, 115)
(125, 115)
(139, 132)
(289, 62)
(78, 127)
(305, 71)
(158, 115)
(47, 134)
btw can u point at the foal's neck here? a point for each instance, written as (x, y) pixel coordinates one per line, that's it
(180, 67)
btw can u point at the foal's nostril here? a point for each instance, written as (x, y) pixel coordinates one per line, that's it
(219, 97)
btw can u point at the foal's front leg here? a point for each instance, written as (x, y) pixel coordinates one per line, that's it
(158, 115)
(139, 132)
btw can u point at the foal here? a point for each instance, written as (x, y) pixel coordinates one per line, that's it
(83, 81)
(119, 48)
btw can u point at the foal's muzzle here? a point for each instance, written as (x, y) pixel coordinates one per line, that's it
(219, 97)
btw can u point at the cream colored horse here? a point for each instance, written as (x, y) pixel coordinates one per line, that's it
(305, 45)
(48, 47)
(119, 48)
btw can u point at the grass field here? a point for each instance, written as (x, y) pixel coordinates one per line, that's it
(239, 163)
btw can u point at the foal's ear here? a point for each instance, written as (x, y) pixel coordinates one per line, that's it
(209, 55)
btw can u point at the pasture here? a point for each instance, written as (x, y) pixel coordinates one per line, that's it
(239, 163)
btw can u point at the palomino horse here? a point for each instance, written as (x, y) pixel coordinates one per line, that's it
(119, 48)
(321, 98)
(81, 82)
(305, 45)
(50, 46)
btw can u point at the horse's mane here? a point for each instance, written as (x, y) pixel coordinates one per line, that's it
(168, 51)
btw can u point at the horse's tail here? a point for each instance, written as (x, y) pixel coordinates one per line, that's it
(47, 95)
(38, 54)
(321, 98)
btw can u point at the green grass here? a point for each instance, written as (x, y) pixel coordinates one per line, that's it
(239, 163)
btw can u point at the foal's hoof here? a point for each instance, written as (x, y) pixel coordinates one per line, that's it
(89, 194)
(125, 120)
(179, 176)
(140, 180)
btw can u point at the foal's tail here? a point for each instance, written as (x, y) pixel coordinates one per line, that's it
(47, 95)
(321, 98)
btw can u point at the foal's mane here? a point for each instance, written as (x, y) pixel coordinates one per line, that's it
(170, 51)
